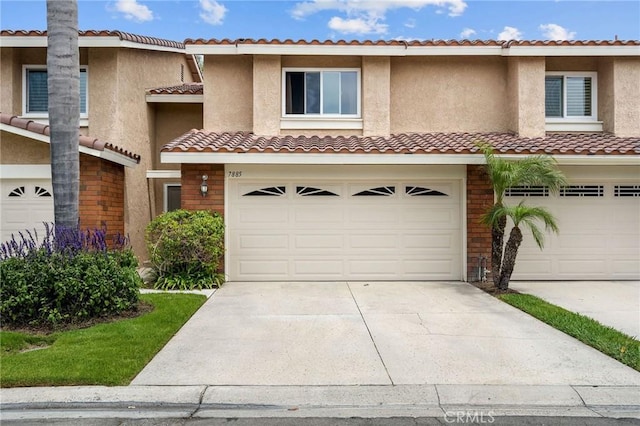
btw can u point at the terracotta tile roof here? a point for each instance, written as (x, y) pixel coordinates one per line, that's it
(406, 143)
(426, 43)
(43, 129)
(123, 36)
(181, 89)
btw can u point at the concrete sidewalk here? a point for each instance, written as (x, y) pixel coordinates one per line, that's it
(612, 303)
(399, 333)
(433, 401)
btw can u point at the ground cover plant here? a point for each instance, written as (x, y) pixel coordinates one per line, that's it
(186, 249)
(69, 276)
(607, 340)
(110, 353)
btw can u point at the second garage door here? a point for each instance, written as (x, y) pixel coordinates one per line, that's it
(328, 230)
(26, 205)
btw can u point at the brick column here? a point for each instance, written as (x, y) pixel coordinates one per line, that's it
(479, 200)
(191, 198)
(101, 195)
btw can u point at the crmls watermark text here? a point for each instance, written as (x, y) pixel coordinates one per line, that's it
(471, 417)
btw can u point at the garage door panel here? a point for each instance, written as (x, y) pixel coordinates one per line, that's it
(325, 268)
(318, 241)
(599, 237)
(26, 204)
(387, 235)
(262, 242)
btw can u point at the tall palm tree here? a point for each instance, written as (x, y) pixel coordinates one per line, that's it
(521, 215)
(537, 170)
(63, 80)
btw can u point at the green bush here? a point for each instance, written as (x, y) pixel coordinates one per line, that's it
(186, 248)
(50, 285)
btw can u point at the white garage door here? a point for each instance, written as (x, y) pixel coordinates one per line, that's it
(599, 235)
(26, 204)
(359, 230)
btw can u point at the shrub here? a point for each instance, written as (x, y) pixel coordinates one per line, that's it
(71, 276)
(186, 248)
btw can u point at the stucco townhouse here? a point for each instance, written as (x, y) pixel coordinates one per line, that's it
(121, 125)
(357, 160)
(335, 160)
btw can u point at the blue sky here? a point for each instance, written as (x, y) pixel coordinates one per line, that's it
(346, 19)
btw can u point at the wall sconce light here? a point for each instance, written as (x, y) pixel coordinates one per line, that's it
(204, 188)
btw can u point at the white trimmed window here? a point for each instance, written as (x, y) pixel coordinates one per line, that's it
(321, 98)
(571, 101)
(35, 99)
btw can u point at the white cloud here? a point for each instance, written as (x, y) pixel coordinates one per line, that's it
(510, 33)
(467, 32)
(357, 26)
(556, 32)
(411, 23)
(366, 15)
(134, 11)
(212, 12)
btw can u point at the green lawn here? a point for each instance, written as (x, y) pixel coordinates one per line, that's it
(105, 354)
(607, 340)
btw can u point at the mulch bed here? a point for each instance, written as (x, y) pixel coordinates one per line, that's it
(489, 288)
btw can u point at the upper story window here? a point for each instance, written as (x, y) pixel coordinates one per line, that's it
(328, 95)
(35, 91)
(571, 101)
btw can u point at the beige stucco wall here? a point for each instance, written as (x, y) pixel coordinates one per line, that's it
(228, 103)
(170, 121)
(267, 95)
(626, 73)
(567, 63)
(15, 149)
(526, 96)
(448, 94)
(606, 98)
(376, 96)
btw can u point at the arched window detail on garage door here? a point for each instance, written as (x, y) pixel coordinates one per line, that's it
(626, 191)
(308, 191)
(527, 191)
(17, 192)
(41, 192)
(418, 191)
(272, 191)
(380, 191)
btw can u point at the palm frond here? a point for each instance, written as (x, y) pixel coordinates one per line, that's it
(530, 216)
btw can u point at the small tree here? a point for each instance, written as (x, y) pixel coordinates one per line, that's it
(537, 170)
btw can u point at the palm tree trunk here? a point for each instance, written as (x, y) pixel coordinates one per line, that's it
(509, 259)
(63, 80)
(497, 241)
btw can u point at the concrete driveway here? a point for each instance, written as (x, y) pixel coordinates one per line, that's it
(377, 333)
(612, 303)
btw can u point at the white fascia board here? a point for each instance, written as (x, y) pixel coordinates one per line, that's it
(177, 98)
(386, 159)
(164, 174)
(106, 154)
(572, 51)
(84, 41)
(25, 171)
(330, 50)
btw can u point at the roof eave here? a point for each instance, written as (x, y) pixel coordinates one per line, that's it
(85, 41)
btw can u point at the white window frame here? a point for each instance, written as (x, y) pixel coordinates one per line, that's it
(44, 116)
(565, 123)
(165, 194)
(322, 121)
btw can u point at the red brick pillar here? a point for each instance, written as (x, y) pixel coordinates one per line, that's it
(479, 200)
(101, 195)
(191, 198)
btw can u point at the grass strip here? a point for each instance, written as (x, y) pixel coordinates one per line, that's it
(108, 354)
(607, 340)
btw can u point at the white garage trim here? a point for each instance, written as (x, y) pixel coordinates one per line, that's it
(293, 235)
(25, 171)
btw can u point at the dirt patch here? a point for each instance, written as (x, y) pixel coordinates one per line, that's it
(140, 309)
(488, 287)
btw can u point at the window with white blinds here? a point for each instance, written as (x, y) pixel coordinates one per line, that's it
(36, 100)
(570, 96)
